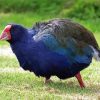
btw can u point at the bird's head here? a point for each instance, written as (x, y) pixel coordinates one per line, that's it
(13, 32)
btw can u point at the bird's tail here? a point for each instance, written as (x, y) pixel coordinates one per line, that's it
(96, 54)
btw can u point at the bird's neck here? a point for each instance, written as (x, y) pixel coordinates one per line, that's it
(29, 46)
(20, 45)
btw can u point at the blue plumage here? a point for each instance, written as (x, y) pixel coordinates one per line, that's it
(48, 50)
(44, 56)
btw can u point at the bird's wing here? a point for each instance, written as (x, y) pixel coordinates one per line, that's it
(62, 28)
(74, 49)
(80, 51)
(37, 27)
(32, 32)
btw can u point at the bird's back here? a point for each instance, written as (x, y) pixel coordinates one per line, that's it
(63, 28)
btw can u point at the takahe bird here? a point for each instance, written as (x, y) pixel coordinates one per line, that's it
(58, 47)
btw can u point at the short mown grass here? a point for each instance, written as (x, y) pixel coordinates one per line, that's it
(8, 62)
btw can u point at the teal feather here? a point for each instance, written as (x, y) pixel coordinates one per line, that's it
(72, 50)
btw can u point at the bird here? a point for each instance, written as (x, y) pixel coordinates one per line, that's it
(58, 47)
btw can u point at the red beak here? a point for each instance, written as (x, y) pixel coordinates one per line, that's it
(5, 35)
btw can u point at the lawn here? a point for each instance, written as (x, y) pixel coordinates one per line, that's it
(16, 84)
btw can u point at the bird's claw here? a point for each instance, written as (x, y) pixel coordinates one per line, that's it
(48, 81)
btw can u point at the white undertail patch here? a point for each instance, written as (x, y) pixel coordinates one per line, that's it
(95, 54)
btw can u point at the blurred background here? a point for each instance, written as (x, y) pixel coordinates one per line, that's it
(16, 84)
(27, 12)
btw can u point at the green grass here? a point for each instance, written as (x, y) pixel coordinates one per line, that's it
(40, 6)
(26, 19)
(26, 86)
(82, 9)
(6, 62)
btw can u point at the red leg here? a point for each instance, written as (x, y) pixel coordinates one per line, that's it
(79, 78)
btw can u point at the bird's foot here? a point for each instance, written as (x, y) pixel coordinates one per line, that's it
(79, 78)
(48, 81)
